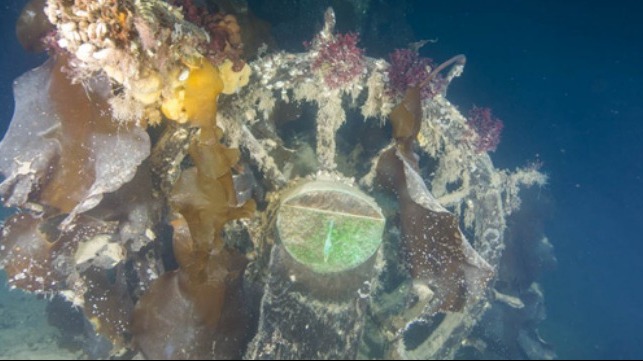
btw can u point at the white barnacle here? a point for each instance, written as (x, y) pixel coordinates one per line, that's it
(83, 25)
(108, 43)
(103, 54)
(91, 30)
(85, 52)
(100, 30)
(80, 13)
(150, 234)
(75, 36)
(67, 27)
(52, 11)
(183, 76)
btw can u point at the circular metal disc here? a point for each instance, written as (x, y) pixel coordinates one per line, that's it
(329, 226)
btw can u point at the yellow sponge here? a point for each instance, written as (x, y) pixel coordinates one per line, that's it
(194, 100)
(233, 80)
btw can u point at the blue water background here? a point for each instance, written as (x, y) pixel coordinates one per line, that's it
(567, 79)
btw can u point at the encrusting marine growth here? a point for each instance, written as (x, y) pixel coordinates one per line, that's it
(160, 194)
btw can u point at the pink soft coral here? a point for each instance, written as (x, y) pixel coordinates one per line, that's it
(485, 129)
(338, 59)
(407, 70)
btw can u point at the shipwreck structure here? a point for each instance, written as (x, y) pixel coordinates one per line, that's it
(192, 204)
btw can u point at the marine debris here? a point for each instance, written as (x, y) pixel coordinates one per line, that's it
(162, 192)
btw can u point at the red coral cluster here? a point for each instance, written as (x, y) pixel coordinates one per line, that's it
(408, 69)
(223, 29)
(486, 129)
(338, 59)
